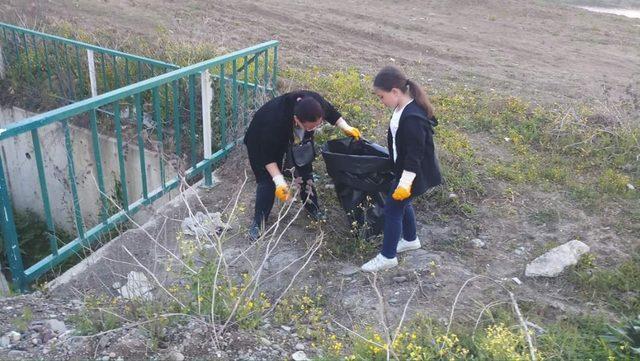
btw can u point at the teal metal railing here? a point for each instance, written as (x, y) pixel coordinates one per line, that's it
(192, 117)
(66, 70)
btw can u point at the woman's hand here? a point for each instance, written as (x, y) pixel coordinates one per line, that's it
(282, 189)
(348, 130)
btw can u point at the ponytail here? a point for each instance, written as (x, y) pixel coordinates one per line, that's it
(391, 77)
(420, 97)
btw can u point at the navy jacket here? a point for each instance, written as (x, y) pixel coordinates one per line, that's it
(416, 149)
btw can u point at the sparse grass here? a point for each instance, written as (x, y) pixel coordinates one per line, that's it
(617, 287)
(593, 154)
(545, 217)
(21, 323)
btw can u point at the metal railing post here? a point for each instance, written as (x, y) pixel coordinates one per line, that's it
(207, 97)
(2, 69)
(10, 235)
(92, 73)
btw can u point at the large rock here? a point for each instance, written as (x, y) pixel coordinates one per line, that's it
(202, 225)
(552, 263)
(137, 287)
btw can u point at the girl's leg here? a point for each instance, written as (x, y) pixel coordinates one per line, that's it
(409, 224)
(393, 219)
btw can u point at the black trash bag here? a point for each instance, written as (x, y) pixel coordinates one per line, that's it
(362, 174)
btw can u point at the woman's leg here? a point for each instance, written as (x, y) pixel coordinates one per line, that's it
(409, 224)
(393, 223)
(265, 195)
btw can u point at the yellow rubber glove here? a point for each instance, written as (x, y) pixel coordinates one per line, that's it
(401, 193)
(348, 130)
(282, 189)
(403, 190)
(282, 192)
(352, 132)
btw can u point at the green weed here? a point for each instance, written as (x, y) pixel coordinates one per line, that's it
(618, 287)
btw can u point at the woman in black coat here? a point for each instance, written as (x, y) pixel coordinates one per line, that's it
(416, 169)
(279, 124)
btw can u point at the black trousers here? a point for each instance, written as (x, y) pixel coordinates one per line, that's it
(265, 191)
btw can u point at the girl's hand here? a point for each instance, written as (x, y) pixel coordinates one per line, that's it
(401, 193)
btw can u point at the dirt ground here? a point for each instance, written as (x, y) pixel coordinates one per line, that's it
(537, 49)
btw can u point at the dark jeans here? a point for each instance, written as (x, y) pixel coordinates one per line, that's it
(399, 219)
(265, 194)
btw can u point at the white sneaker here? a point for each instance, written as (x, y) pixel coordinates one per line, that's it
(379, 263)
(408, 246)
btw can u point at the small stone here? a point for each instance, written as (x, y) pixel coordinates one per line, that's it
(630, 186)
(393, 301)
(299, 356)
(17, 354)
(400, 279)
(5, 341)
(478, 243)
(56, 326)
(520, 251)
(286, 328)
(112, 355)
(14, 336)
(453, 196)
(300, 346)
(265, 341)
(103, 342)
(175, 356)
(348, 270)
(516, 280)
(35, 341)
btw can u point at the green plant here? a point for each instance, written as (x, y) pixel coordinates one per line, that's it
(22, 322)
(545, 216)
(33, 238)
(229, 300)
(97, 315)
(500, 342)
(625, 340)
(574, 338)
(617, 286)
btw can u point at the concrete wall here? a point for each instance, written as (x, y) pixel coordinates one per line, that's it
(19, 161)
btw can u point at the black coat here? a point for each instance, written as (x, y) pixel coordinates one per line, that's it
(271, 130)
(416, 149)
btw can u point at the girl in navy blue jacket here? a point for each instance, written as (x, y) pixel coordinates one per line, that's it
(411, 148)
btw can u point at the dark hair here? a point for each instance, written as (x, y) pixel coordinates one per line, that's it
(308, 110)
(391, 77)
